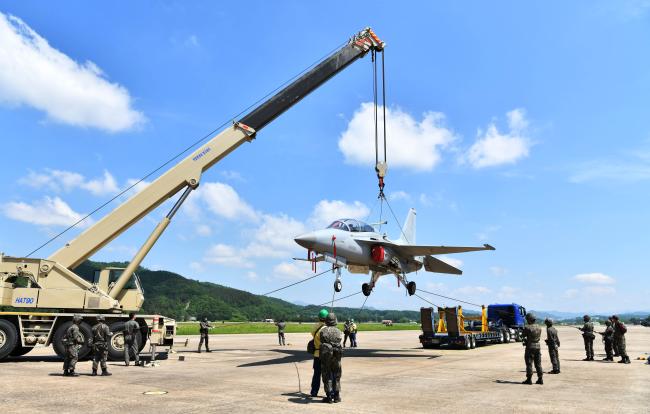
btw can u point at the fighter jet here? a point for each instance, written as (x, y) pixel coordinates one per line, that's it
(356, 246)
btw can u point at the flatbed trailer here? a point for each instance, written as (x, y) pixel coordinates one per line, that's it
(23, 331)
(454, 330)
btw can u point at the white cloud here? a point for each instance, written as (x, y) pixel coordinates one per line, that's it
(223, 200)
(45, 212)
(494, 148)
(66, 181)
(274, 237)
(595, 278)
(197, 267)
(400, 195)
(508, 292)
(327, 211)
(35, 74)
(223, 254)
(472, 290)
(252, 276)
(203, 230)
(412, 144)
(291, 271)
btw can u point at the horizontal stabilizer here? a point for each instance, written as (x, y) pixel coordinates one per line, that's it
(431, 264)
(315, 259)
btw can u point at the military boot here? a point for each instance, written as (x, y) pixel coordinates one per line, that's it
(528, 381)
(106, 374)
(66, 373)
(72, 373)
(199, 350)
(539, 381)
(94, 374)
(627, 360)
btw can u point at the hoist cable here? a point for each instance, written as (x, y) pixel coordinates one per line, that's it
(427, 301)
(374, 98)
(450, 298)
(296, 283)
(186, 149)
(339, 299)
(383, 99)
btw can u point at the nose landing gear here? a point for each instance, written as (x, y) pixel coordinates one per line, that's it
(338, 286)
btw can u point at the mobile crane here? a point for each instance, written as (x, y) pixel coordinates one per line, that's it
(47, 292)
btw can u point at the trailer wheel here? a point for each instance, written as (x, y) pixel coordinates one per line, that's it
(21, 350)
(507, 341)
(502, 337)
(8, 338)
(57, 342)
(116, 344)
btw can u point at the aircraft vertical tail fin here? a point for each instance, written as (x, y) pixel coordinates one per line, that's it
(408, 231)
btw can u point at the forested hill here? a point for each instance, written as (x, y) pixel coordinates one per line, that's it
(180, 298)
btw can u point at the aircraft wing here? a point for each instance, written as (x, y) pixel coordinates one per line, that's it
(435, 250)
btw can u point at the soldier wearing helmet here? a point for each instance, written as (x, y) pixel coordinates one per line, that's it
(553, 343)
(315, 344)
(72, 340)
(588, 337)
(330, 358)
(531, 335)
(608, 338)
(101, 337)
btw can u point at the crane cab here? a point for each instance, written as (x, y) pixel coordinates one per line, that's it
(131, 297)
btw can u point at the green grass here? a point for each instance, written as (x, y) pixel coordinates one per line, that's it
(192, 328)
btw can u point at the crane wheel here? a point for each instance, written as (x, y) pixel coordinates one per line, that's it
(472, 342)
(338, 286)
(366, 289)
(411, 288)
(57, 341)
(8, 338)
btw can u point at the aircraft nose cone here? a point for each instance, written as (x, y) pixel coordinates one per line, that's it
(306, 240)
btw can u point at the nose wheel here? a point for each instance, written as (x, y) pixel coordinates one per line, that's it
(411, 288)
(338, 286)
(366, 289)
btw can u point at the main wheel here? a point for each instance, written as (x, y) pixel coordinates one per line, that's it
(338, 286)
(116, 344)
(411, 288)
(366, 289)
(21, 350)
(507, 336)
(8, 338)
(57, 342)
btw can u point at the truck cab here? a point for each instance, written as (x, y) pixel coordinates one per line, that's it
(510, 315)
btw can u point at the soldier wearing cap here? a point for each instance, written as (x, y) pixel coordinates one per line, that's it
(314, 347)
(531, 335)
(101, 336)
(553, 343)
(72, 340)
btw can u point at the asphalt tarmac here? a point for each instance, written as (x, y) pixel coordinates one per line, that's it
(388, 373)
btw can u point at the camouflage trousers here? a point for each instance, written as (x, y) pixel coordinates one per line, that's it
(100, 355)
(533, 356)
(609, 347)
(331, 371)
(620, 342)
(589, 345)
(281, 338)
(204, 338)
(555, 357)
(71, 357)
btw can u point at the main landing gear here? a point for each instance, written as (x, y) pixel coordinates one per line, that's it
(411, 288)
(366, 289)
(338, 285)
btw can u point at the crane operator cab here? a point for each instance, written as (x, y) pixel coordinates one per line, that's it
(132, 295)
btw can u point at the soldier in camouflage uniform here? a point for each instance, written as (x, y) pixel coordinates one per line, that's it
(531, 335)
(281, 326)
(553, 343)
(131, 327)
(204, 330)
(608, 338)
(72, 340)
(101, 336)
(619, 339)
(588, 336)
(330, 358)
(614, 344)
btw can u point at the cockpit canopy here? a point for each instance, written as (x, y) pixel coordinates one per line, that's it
(352, 225)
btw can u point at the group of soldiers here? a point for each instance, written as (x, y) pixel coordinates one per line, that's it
(614, 338)
(101, 334)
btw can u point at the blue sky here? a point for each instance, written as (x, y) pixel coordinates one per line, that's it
(522, 125)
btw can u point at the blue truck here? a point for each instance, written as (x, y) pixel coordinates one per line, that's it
(495, 324)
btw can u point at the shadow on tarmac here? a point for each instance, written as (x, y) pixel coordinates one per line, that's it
(301, 398)
(35, 358)
(291, 356)
(508, 382)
